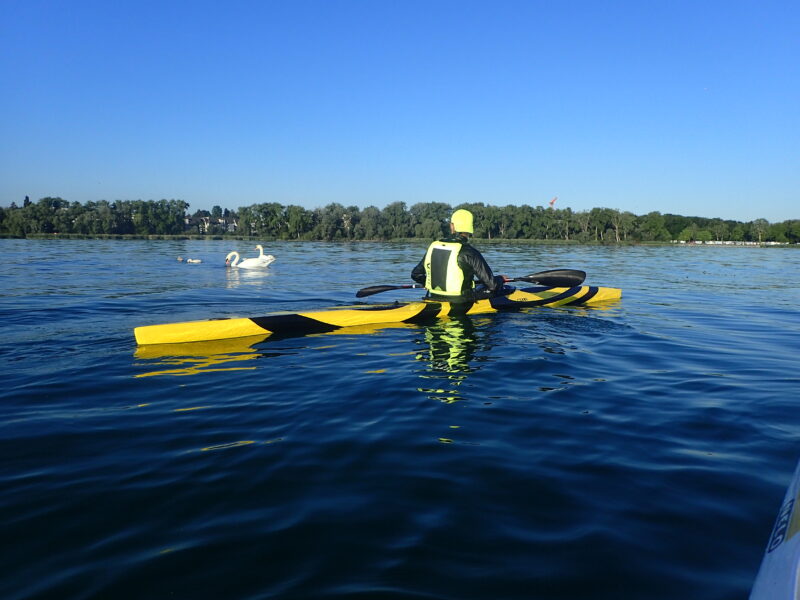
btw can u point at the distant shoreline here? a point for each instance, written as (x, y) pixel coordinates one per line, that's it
(123, 237)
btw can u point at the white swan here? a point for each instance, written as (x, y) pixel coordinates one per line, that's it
(264, 258)
(249, 263)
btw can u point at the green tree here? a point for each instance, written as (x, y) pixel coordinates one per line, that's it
(247, 225)
(792, 231)
(524, 222)
(350, 218)
(397, 221)
(600, 222)
(328, 222)
(704, 235)
(371, 225)
(140, 215)
(16, 223)
(269, 219)
(622, 222)
(675, 224)
(584, 221)
(430, 219)
(758, 229)
(718, 229)
(43, 215)
(689, 233)
(566, 221)
(298, 221)
(651, 227)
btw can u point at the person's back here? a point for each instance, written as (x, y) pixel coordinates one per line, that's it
(450, 265)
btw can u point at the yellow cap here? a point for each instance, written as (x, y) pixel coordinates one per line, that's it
(462, 221)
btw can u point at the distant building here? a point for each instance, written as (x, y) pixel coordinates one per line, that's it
(210, 225)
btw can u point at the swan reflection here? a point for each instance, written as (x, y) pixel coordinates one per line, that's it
(239, 277)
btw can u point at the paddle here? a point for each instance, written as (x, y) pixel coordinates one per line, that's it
(551, 278)
(377, 289)
(554, 278)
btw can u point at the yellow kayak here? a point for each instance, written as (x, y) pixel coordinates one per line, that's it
(327, 320)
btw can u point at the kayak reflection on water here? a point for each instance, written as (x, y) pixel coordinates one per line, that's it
(200, 357)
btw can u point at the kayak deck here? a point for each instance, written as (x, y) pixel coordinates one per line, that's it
(324, 321)
(779, 575)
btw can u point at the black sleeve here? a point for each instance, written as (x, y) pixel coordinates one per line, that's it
(418, 272)
(474, 261)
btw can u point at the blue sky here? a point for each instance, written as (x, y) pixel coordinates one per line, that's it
(683, 107)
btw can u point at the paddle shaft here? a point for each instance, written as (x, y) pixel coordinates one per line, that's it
(551, 278)
(377, 289)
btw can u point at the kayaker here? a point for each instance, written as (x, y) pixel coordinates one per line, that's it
(450, 265)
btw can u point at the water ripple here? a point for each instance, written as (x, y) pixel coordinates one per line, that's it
(639, 450)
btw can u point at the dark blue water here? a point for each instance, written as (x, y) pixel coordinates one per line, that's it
(637, 450)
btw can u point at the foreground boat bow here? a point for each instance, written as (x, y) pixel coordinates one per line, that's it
(779, 575)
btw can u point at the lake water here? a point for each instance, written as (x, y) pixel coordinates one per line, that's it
(636, 450)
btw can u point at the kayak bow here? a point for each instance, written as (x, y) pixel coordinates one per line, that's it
(779, 577)
(324, 321)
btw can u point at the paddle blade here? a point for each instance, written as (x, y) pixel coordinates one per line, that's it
(377, 289)
(556, 278)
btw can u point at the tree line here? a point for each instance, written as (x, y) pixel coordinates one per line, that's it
(336, 222)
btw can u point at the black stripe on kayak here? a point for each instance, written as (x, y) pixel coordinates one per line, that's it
(293, 324)
(503, 303)
(430, 311)
(590, 293)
